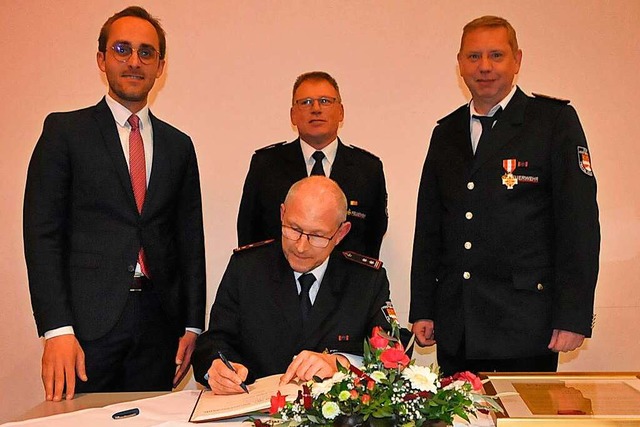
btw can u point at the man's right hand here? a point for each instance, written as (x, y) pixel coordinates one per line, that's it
(423, 330)
(62, 360)
(223, 380)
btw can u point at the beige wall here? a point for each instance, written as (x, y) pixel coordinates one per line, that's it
(230, 70)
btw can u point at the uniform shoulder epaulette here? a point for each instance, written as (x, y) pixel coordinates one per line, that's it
(253, 245)
(376, 264)
(362, 150)
(550, 98)
(453, 113)
(270, 146)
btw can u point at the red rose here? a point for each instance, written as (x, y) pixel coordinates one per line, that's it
(376, 340)
(366, 399)
(471, 378)
(277, 403)
(371, 384)
(354, 394)
(394, 357)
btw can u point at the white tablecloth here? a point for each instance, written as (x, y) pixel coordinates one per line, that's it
(170, 410)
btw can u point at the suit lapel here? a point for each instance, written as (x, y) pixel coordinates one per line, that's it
(160, 164)
(111, 139)
(326, 304)
(342, 164)
(284, 291)
(294, 161)
(457, 136)
(461, 134)
(506, 128)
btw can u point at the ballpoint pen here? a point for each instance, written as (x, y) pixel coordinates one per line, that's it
(228, 365)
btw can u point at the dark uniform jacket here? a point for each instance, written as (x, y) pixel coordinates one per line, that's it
(276, 168)
(504, 267)
(256, 319)
(82, 230)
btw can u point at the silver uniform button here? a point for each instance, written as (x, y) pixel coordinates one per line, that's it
(467, 245)
(470, 185)
(468, 215)
(466, 275)
(540, 286)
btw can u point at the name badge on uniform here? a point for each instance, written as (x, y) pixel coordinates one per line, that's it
(355, 214)
(509, 165)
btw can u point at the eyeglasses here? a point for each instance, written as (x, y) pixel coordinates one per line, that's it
(323, 102)
(313, 239)
(123, 51)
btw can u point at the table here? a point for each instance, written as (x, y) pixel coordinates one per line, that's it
(162, 410)
(84, 401)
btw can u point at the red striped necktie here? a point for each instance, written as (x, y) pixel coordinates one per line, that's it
(138, 172)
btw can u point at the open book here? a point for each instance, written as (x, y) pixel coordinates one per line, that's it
(211, 407)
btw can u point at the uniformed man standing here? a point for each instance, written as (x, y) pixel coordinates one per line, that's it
(505, 257)
(316, 111)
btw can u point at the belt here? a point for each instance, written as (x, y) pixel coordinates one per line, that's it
(141, 283)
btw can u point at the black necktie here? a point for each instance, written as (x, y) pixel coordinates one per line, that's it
(317, 166)
(487, 125)
(306, 280)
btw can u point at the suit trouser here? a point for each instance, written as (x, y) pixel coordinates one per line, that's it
(452, 363)
(138, 354)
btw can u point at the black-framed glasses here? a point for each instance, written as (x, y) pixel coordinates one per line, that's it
(323, 102)
(123, 51)
(314, 240)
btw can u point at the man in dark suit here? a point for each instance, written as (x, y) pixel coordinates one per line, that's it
(114, 244)
(505, 257)
(316, 111)
(291, 307)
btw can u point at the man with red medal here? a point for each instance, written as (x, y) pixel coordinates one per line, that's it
(507, 239)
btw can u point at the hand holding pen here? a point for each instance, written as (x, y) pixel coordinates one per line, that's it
(221, 380)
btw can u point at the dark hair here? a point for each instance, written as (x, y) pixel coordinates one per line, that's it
(316, 75)
(137, 12)
(489, 21)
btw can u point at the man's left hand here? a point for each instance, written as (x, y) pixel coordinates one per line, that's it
(565, 341)
(308, 364)
(186, 346)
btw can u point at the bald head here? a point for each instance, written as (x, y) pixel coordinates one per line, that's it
(315, 208)
(319, 193)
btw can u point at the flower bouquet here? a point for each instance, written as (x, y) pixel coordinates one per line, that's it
(389, 389)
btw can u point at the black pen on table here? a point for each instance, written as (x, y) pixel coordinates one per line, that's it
(230, 366)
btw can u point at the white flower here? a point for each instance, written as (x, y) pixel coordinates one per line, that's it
(338, 377)
(330, 410)
(421, 378)
(323, 387)
(318, 389)
(378, 376)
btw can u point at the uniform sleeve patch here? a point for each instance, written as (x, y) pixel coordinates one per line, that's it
(584, 160)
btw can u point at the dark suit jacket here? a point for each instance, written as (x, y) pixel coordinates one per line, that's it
(255, 319)
(533, 250)
(276, 168)
(82, 231)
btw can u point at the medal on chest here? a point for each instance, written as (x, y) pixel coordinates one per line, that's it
(508, 179)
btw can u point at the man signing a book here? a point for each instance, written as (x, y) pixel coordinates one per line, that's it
(297, 307)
